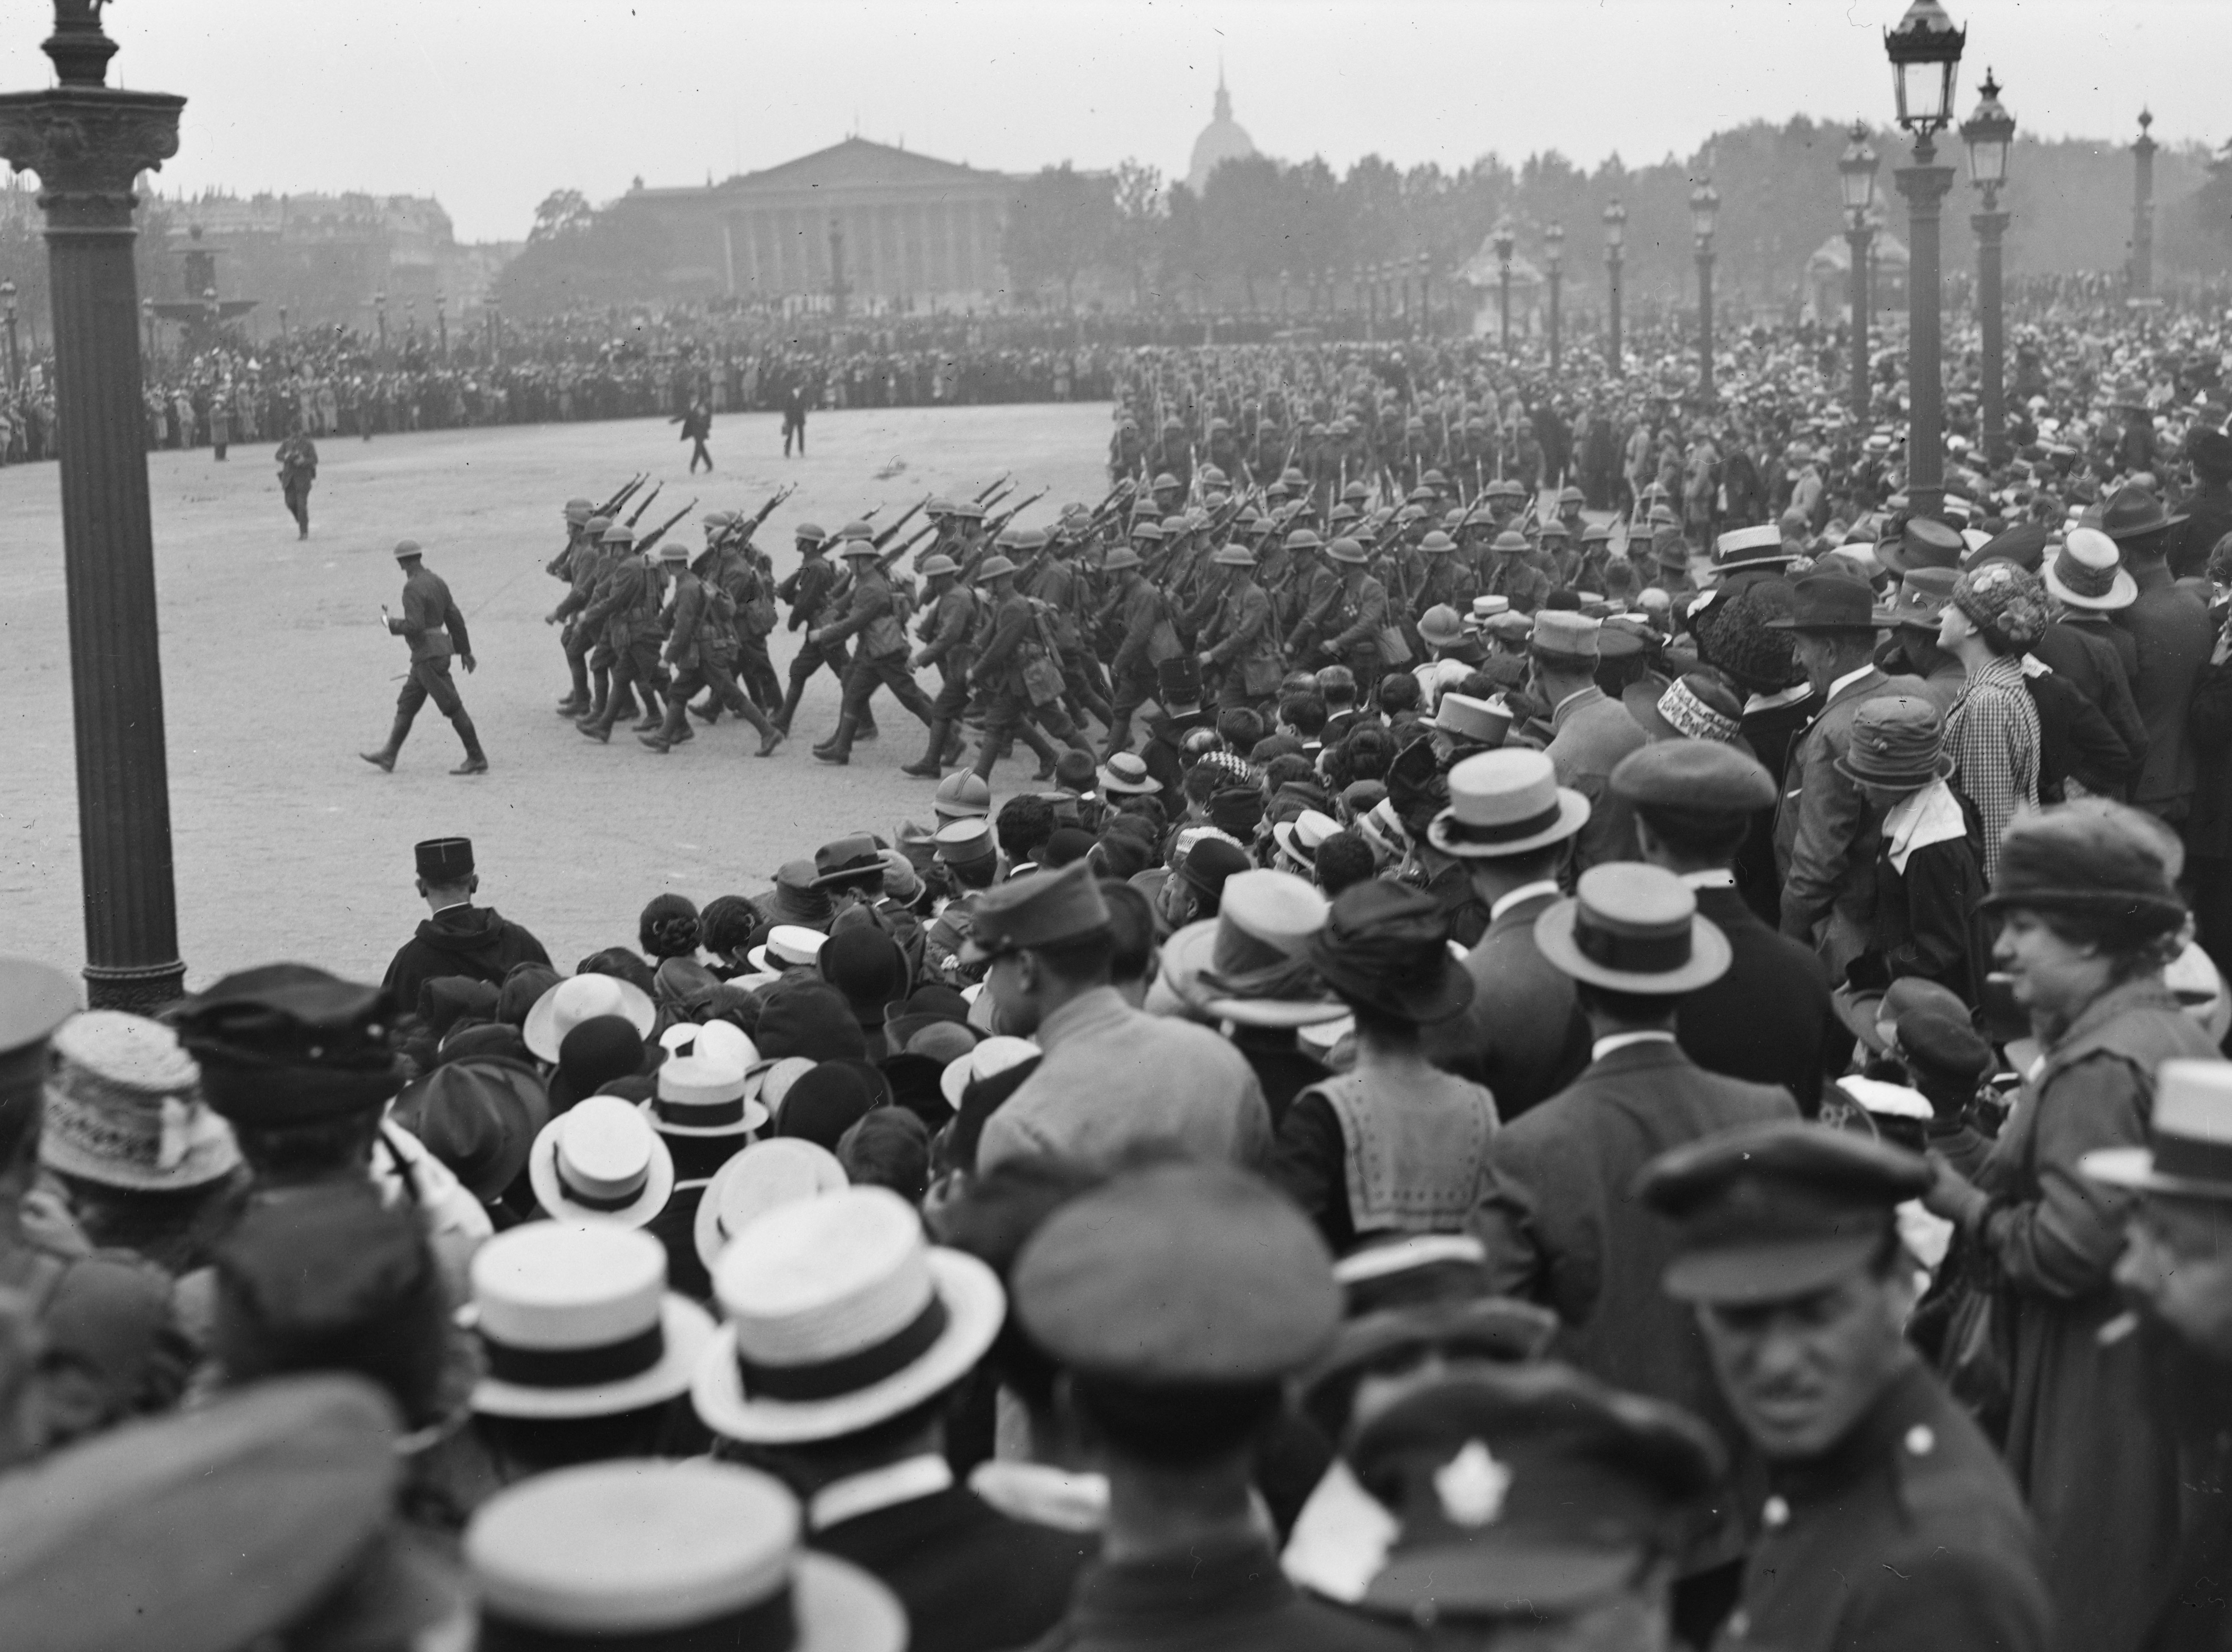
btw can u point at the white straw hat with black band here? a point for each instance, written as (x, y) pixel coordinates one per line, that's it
(601, 1162)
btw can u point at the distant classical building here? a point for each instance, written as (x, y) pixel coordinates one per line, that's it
(888, 223)
(1829, 276)
(1221, 141)
(326, 257)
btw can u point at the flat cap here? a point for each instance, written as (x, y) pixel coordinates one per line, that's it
(1708, 777)
(1775, 1211)
(1184, 1273)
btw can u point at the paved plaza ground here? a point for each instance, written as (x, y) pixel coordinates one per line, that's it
(276, 673)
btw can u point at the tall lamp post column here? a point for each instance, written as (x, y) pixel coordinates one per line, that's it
(1856, 182)
(1988, 133)
(1425, 308)
(1505, 240)
(379, 309)
(442, 319)
(1554, 261)
(15, 366)
(1615, 223)
(1925, 60)
(495, 330)
(2143, 210)
(88, 141)
(1704, 211)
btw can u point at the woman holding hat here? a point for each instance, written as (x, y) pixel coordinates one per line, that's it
(2089, 917)
(1395, 1145)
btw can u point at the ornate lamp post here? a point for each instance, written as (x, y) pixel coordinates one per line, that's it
(1856, 182)
(1615, 223)
(1705, 213)
(442, 319)
(88, 141)
(1506, 239)
(496, 328)
(1990, 133)
(1925, 60)
(411, 320)
(1553, 263)
(212, 311)
(15, 366)
(2143, 210)
(1425, 309)
(283, 323)
(380, 310)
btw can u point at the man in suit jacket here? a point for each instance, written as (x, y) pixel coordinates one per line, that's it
(1768, 1019)
(1558, 1219)
(1824, 834)
(1512, 826)
(1590, 732)
(2170, 627)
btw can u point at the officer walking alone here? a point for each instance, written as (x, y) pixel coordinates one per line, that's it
(431, 623)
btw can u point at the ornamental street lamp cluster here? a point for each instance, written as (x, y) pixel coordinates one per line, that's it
(1924, 50)
(1554, 261)
(1990, 133)
(1855, 180)
(1704, 213)
(1505, 239)
(1615, 223)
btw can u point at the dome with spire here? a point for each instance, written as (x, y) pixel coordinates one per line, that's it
(1221, 141)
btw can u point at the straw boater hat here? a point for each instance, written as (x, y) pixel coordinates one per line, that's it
(640, 1554)
(1633, 928)
(995, 1056)
(1126, 773)
(1298, 839)
(124, 1108)
(787, 947)
(704, 1109)
(1478, 722)
(2087, 573)
(583, 997)
(578, 1322)
(763, 1176)
(1760, 547)
(600, 1162)
(1505, 802)
(1250, 964)
(840, 1315)
(2189, 1150)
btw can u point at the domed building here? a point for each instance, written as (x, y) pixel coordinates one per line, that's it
(1221, 141)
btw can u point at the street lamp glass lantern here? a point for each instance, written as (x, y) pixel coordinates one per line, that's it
(1856, 170)
(1615, 223)
(1553, 241)
(1506, 238)
(1990, 133)
(1704, 209)
(1925, 62)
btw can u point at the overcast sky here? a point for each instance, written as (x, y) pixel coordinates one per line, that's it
(491, 104)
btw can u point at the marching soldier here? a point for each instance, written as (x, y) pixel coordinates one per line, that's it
(430, 622)
(1317, 593)
(807, 591)
(1513, 577)
(298, 468)
(1058, 585)
(1141, 615)
(1238, 640)
(1360, 613)
(1000, 666)
(700, 647)
(881, 654)
(948, 620)
(583, 564)
(628, 606)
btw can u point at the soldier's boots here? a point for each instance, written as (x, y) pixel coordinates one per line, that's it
(653, 713)
(796, 692)
(931, 764)
(577, 699)
(476, 760)
(671, 731)
(838, 747)
(384, 759)
(709, 712)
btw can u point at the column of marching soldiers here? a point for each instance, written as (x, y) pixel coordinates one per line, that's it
(1034, 631)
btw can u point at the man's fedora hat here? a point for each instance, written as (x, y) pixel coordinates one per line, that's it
(638, 1553)
(600, 1162)
(583, 997)
(1830, 602)
(840, 1315)
(1505, 802)
(2134, 513)
(2188, 1154)
(1633, 928)
(765, 1174)
(2087, 572)
(1250, 964)
(578, 1322)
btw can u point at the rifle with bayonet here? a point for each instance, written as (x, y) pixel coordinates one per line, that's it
(650, 541)
(891, 532)
(645, 505)
(746, 529)
(994, 487)
(993, 524)
(890, 558)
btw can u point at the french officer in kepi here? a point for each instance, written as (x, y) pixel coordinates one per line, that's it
(1891, 1522)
